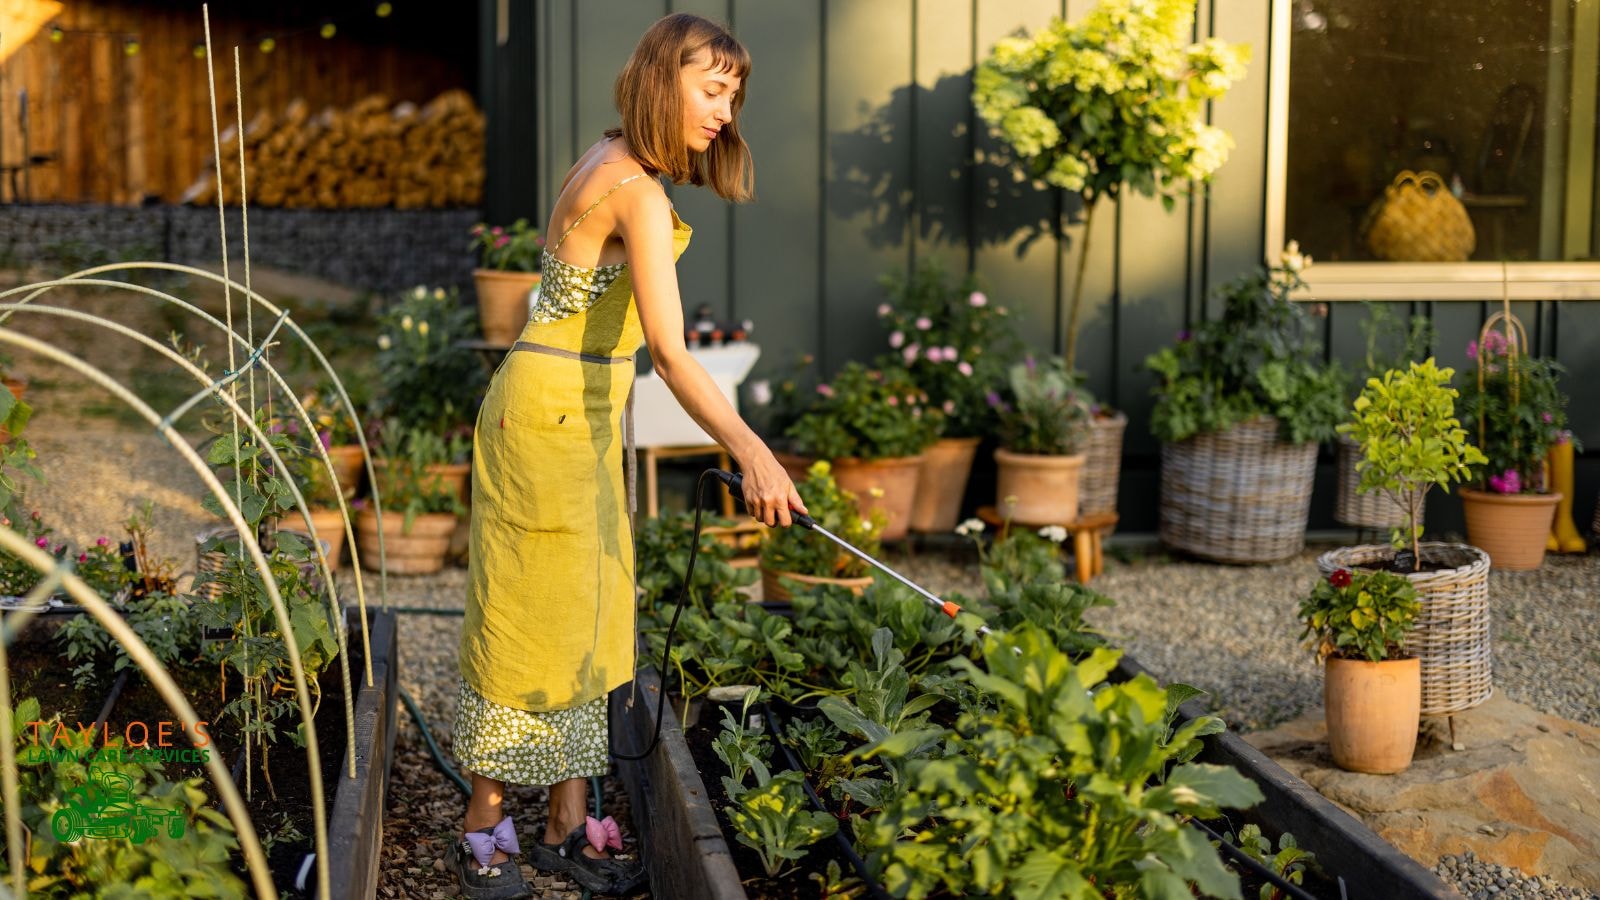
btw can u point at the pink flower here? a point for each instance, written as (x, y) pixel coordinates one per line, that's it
(910, 353)
(1472, 350)
(924, 323)
(83, 558)
(825, 390)
(884, 309)
(1547, 418)
(501, 241)
(950, 354)
(497, 231)
(42, 543)
(1508, 483)
(102, 542)
(893, 400)
(976, 298)
(950, 406)
(935, 354)
(910, 400)
(896, 339)
(965, 368)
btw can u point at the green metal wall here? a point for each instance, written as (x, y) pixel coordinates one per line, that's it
(869, 158)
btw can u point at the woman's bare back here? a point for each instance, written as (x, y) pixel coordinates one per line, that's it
(595, 241)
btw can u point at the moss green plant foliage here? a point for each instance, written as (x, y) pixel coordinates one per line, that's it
(1258, 359)
(798, 550)
(954, 341)
(776, 820)
(867, 413)
(405, 484)
(1410, 440)
(1115, 99)
(425, 378)
(1043, 409)
(1288, 862)
(1515, 417)
(1065, 788)
(1359, 615)
(518, 248)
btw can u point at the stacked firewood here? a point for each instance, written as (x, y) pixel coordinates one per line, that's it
(371, 154)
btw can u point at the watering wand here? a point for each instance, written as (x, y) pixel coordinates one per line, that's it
(735, 485)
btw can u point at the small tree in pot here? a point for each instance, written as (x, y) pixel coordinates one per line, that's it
(1356, 623)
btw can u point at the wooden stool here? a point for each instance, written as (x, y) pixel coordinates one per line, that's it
(652, 499)
(1086, 532)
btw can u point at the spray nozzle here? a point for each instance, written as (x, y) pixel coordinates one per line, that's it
(735, 483)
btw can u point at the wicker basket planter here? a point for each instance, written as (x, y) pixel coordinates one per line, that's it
(773, 589)
(1102, 466)
(1351, 507)
(1238, 496)
(1451, 636)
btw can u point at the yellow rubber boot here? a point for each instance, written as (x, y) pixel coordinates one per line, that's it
(1564, 537)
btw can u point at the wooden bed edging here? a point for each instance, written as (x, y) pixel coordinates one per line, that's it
(355, 822)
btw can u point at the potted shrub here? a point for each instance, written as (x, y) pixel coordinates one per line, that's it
(954, 342)
(421, 507)
(873, 424)
(1241, 404)
(1517, 411)
(1388, 347)
(796, 555)
(1044, 425)
(337, 432)
(1411, 440)
(508, 273)
(1372, 693)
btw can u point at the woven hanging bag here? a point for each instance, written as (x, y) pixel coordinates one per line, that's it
(1418, 220)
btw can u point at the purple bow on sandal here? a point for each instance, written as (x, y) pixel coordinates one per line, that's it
(503, 838)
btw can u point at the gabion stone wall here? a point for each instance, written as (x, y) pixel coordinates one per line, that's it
(381, 250)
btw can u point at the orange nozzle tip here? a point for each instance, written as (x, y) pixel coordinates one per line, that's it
(950, 609)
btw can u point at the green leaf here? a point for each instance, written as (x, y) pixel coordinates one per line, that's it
(1047, 874)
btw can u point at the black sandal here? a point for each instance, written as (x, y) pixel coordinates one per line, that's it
(602, 876)
(500, 881)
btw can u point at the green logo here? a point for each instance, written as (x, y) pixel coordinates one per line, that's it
(106, 808)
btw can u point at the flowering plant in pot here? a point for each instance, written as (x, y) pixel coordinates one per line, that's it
(508, 272)
(954, 342)
(425, 378)
(1516, 412)
(1241, 403)
(874, 424)
(794, 554)
(337, 432)
(1356, 622)
(1043, 424)
(420, 504)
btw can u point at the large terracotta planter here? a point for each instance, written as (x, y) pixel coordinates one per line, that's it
(1102, 466)
(503, 303)
(772, 590)
(1373, 710)
(886, 484)
(942, 483)
(349, 465)
(419, 551)
(329, 524)
(1036, 489)
(1511, 528)
(794, 464)
(452, 476)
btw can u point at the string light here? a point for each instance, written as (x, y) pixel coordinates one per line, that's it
(56, 34)
(199, 51)
(328, 30)
(267, 45)
(131, 46)
(384, 9)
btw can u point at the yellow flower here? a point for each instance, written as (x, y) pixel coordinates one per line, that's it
(422, 328)
(405, 323)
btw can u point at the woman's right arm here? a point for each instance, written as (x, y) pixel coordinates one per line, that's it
(644, 220)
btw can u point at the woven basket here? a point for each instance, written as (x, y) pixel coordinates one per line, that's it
(1451, 636)
(1097, 489)
(1351, 507)
(1240, 495)
(213, 561)
(1418, 220)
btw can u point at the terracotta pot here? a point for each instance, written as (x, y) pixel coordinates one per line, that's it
(942, 483)
(886, 484)
(794, 464)
(1373, 710)
(17, 387)
(416, 552)
(772, 590)
(330, 529)
(503, 303)
(1045, 487)
(451, 475)
(1511, 528)
(349, 466)
(1102, 466)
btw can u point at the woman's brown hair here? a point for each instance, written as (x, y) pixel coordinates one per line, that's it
(648, 95)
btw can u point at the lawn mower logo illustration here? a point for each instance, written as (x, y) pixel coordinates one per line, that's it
(106, 808)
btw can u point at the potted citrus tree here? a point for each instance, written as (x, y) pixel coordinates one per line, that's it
(1044, 426)
(1411, 441)
(796, 556)
(955, 344)
(1356, 623)
(1241, 403)
(507, 274)
(873, 424)
(1388, 346)
(1516, 411)
(421, 507)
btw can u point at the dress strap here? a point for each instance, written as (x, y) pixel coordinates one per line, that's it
(592, 207)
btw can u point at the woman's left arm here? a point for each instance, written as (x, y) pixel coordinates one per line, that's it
(644, 219)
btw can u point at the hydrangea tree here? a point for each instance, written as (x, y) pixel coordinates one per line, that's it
(1117, 98)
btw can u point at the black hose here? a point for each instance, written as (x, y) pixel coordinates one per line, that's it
(433, 746)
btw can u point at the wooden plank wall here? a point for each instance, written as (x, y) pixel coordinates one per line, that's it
(869, 158)
(127, 126)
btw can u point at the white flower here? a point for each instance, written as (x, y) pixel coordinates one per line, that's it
(405, 323)
(761, 392)
(1054, 533)
(884, 309)
(384, 343)
(1293, 259)
(970, 527)
(866, 524)
(419, 292)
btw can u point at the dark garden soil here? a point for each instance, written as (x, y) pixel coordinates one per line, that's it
(282, 814)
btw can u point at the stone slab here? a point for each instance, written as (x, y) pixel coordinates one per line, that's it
(1523, 792)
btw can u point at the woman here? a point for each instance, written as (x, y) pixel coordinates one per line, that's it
(549, 628)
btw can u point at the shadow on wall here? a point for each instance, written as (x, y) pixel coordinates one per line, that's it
(963, 191)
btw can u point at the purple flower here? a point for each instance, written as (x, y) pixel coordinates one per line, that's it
(42, 543)
(1472, 350)
(1547, 418)
(1508, 483)
(325, 437)
(976, 298)
(1029, 362)
(825, 390)
(102, 542)
(1183, 335)
(993, 399)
